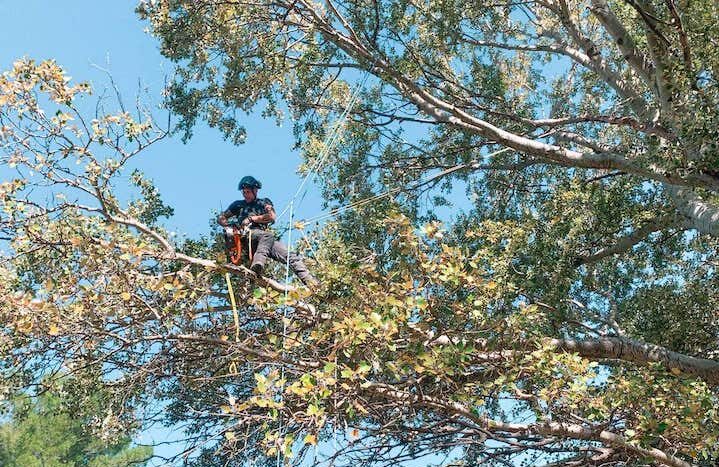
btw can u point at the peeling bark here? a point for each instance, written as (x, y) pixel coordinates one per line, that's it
(698, 214)
(630, 350)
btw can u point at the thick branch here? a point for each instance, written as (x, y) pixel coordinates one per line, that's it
(699, 214)
(630, 350)
(639, 63)
(606, 348)
(172, 254)
(238, 270)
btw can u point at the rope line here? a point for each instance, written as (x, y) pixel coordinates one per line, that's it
(331, 140)
(284, 325)
(236, 317)
(324, 154)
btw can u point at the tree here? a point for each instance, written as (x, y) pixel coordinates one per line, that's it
(569, 317)
(595, 185)
(48, 430)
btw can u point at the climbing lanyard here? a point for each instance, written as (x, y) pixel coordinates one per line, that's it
(234, 306)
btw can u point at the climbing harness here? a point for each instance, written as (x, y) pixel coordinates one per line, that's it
(233, 243)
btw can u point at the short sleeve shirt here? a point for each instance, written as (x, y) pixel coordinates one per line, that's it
(242, 209)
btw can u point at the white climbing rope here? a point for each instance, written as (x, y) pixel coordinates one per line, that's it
(324, 154)
(330, 142)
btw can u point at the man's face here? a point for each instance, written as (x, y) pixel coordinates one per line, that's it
(250, 194)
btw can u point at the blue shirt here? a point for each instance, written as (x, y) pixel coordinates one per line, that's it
(242, 209)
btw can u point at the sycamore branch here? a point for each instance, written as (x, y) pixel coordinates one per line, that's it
(604, 348)
(170, 253)
(238, 270)
(631, 350)
(445, 112)
(637, 60)
(699, 214)
(564, 430)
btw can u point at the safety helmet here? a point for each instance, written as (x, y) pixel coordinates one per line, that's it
(250, 182)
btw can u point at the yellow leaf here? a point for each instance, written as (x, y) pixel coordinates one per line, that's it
(676, 371)
(54, 330)
(311, 439)
(229, 435)
(225, 409)
(125, 296)
(24, 326)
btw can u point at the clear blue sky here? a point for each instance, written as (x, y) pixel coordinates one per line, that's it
(194, 178)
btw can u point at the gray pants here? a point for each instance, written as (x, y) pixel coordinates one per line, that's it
(264, 245)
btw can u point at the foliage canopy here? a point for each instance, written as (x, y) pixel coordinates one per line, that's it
(569, 316)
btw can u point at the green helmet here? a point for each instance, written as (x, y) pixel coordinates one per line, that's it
(250, 182)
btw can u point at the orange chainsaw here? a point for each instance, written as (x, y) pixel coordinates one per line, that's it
(233, 242)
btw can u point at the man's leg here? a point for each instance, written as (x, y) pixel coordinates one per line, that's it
(262, 243)
(279, 253)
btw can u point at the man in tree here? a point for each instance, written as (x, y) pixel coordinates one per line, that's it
(257, 214)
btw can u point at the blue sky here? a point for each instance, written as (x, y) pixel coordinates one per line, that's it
(194, 178)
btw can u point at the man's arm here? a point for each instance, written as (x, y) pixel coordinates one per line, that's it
(222, 218)
(267, 218)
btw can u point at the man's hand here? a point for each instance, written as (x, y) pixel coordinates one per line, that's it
(246, 221)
